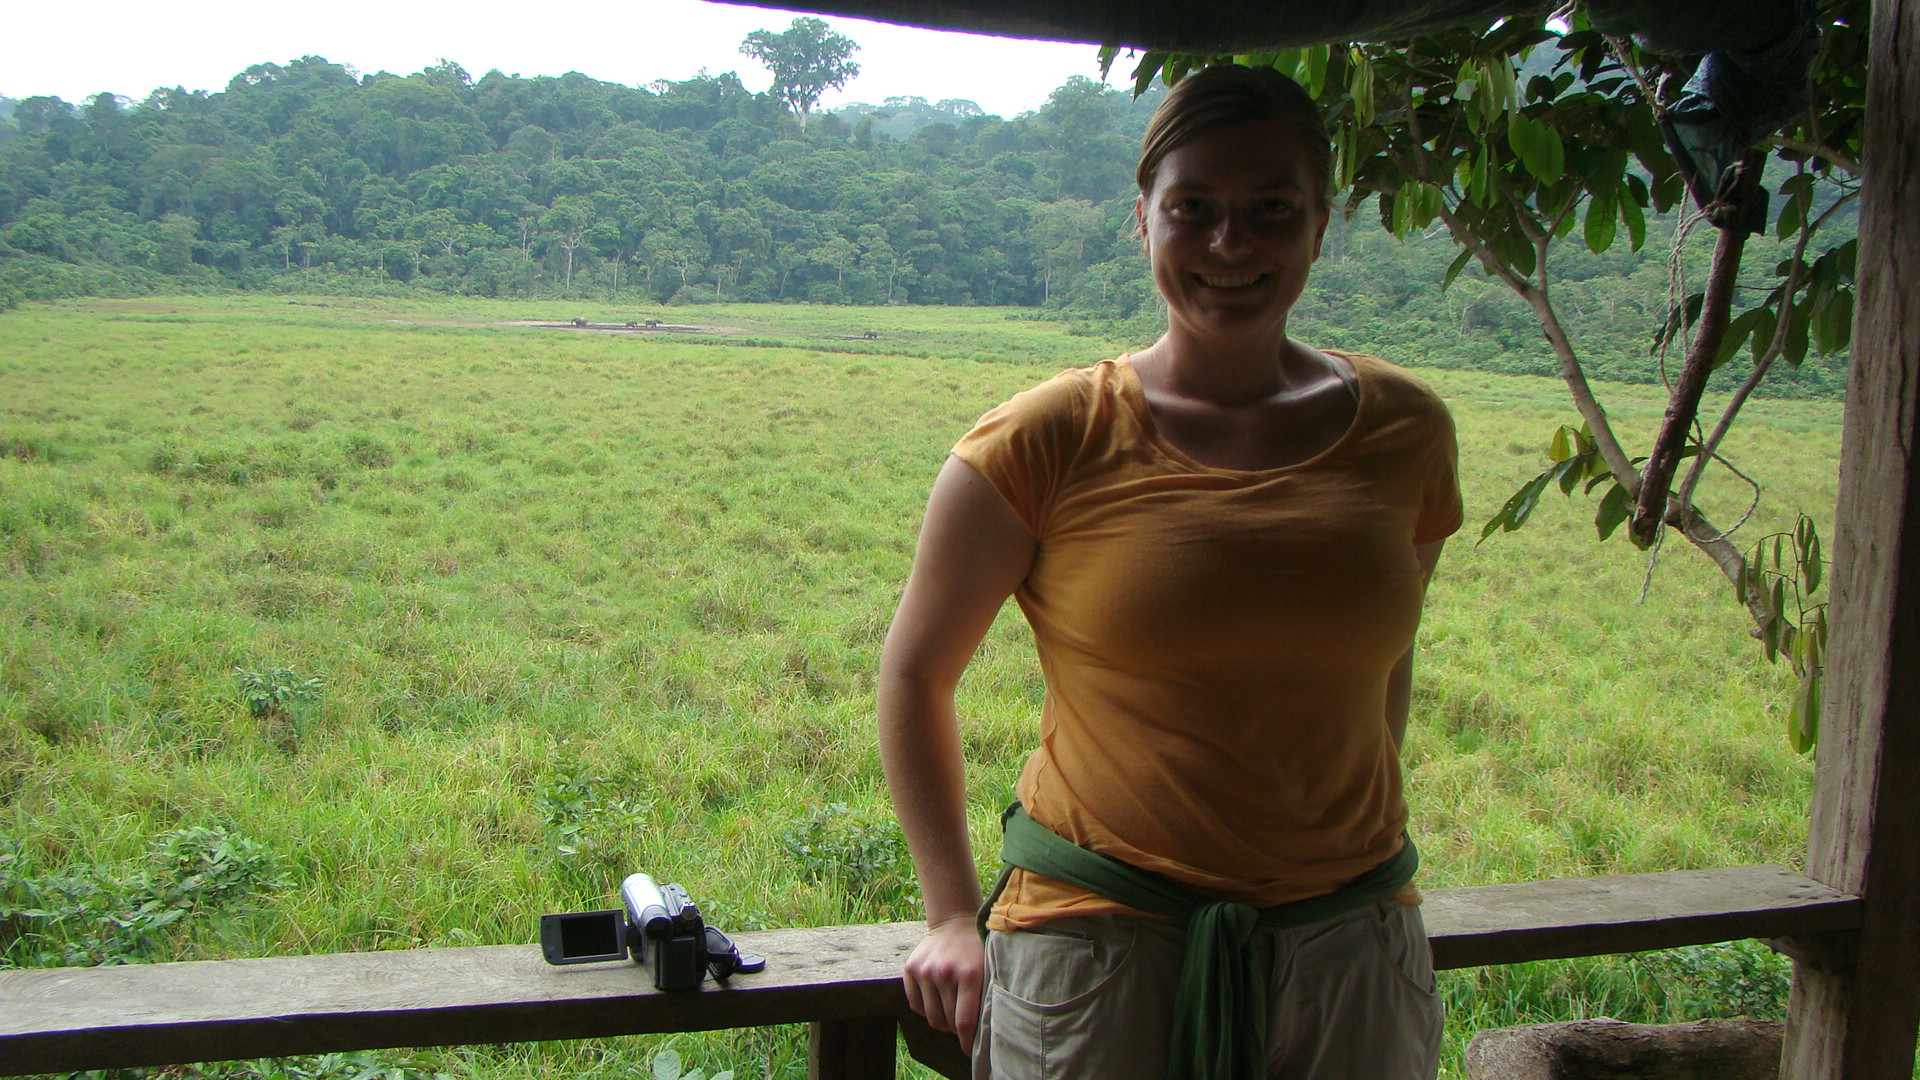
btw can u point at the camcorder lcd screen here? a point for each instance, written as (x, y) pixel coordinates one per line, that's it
(583, 937)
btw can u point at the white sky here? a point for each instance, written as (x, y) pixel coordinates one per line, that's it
(129, 47)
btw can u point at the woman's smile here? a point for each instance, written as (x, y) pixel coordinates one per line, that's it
(1224, 281)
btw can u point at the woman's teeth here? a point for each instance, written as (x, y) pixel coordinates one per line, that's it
(1238, 282)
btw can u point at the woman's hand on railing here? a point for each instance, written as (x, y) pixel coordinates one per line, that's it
(944, 976)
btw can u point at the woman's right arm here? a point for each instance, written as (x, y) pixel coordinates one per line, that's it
(973, 553)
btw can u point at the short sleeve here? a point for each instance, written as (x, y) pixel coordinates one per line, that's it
(1023, 448)
(1441, 508)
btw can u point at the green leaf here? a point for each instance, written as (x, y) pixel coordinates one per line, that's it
(1144, 72)
(1737, 332)
(1764, 326)
(1497, 89)
(1798, 192)
(1312, 71)
(1614, 509)
(1803, 720)
(1806, 552)
(1453, 269)
(1833, 323)
(1569, 473)
(1360, 86)
(1636, 220)
(1601, 217)
(1423, 203)
(1518, 506)
(1794, 351)
(1538, 146)
(1561, 448)
(1467, 81)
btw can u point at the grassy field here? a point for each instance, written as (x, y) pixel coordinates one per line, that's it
(339, 624)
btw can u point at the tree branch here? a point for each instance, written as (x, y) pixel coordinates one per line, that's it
(1762, 364)
(1825, 153)
(1589, 407)
(1684, 404)
(1713, 543)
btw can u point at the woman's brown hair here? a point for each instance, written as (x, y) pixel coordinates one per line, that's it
(1228, 95)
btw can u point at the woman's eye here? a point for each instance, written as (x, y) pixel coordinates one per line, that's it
(1188, 208)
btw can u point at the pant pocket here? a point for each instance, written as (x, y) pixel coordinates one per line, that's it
(1060, 964)
(1061, 1005)
(1402, 935)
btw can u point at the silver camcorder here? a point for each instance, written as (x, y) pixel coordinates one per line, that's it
(658, 926)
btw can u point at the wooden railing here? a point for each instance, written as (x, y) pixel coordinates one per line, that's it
(844, 981)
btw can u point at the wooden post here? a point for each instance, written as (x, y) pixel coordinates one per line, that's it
(851, 1049)
(1854, 1008)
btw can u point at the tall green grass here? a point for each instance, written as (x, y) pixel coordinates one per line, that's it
(581, 603)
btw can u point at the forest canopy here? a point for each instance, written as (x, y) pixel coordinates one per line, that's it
(308, 177)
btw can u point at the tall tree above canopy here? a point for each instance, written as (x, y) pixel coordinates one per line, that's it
(807, 59)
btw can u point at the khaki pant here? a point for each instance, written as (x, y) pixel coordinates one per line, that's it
(1090, 998)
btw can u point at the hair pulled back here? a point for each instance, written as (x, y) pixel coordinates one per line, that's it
(1228, 95)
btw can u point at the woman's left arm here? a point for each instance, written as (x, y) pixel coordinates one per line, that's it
(1400, 679)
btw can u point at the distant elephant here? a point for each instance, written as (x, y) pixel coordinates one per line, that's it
(633, 324)
(653, 324)
(580, 324)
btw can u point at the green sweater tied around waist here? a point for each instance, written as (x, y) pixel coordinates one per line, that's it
(1220, 1016)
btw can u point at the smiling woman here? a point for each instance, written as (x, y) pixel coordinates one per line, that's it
(1222, 544)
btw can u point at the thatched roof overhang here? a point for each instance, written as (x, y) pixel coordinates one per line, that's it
(1218, 26)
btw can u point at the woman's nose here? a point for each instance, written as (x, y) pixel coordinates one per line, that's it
(1230, 235)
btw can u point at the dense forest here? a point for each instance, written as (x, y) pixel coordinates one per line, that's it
(308, 178)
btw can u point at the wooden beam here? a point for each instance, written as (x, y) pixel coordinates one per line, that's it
(59, 1019)
(1857, 1019)
(1548, 920)
(64, 1019)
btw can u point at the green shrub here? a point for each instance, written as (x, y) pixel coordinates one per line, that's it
(104, 915)
(592, 837)
(1738, 978)
(666, 1065)
(868, 859)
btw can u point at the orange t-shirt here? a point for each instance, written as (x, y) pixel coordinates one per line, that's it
(1216, 642)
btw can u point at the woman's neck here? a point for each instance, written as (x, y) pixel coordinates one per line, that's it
(1232, 375)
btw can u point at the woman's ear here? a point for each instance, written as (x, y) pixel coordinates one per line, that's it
(1140, 219)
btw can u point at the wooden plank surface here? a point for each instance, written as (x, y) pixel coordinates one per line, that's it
(58, 1019)
(1858, 1020)
(1543, 920)
(61, 1019)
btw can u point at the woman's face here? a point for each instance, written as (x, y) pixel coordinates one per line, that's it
(1231, 225)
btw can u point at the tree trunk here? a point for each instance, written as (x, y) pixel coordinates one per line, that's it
(1854, 1015)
